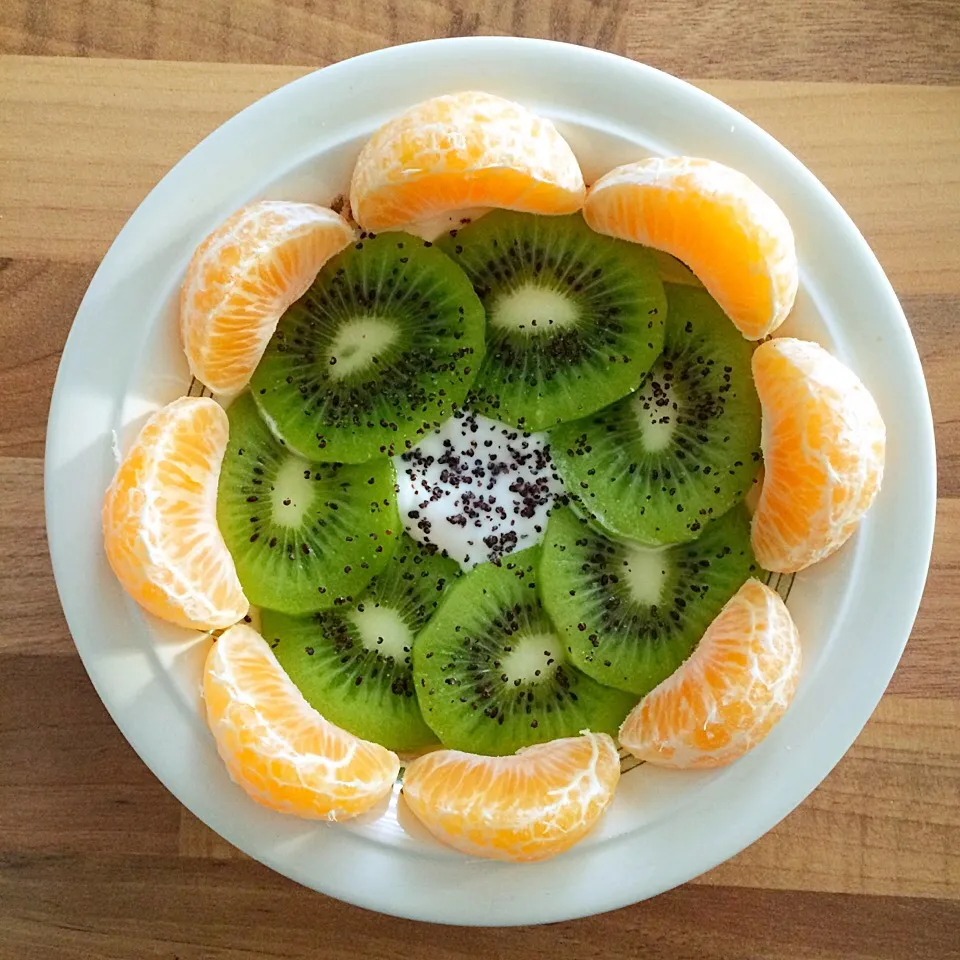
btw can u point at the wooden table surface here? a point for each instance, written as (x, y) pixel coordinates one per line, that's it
(96, 858)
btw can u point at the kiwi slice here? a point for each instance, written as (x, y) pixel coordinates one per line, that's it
(574, 319)
(630, 614)
(658, 465)
(354, 664)
(491, 671)
(304, 536)
(381, 349)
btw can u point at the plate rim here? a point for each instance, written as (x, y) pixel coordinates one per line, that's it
(488, 901)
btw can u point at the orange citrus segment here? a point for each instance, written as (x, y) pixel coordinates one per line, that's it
(530, 806)
(823, 446)
(459, 151)
(242, 278)
(717, 221)
(277, 747)
(729, 694)
(159, 519)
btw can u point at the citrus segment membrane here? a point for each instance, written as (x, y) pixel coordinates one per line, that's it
(159, 519)
(276, 747)
(715, 220)
(241, 279)
(462, 151)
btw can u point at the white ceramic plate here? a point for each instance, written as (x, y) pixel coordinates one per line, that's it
(122, 360)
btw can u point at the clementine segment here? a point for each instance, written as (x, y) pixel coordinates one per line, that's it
(243, 277)
(463, 151)
(525, 807)
(717, 221)
(283, 753)
(159, 519)
(729, 694)
(823, 446)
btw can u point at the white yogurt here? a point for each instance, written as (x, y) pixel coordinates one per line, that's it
(477, 489)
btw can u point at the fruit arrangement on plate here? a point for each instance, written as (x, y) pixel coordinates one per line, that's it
(494, 472)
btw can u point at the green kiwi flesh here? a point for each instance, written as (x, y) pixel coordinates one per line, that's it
(631, 614)
(304, 536)
(355, 664)
(574, 319)
(491, 671)
(380, 350)
(657, 466)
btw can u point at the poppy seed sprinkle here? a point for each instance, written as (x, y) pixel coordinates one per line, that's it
(477, 488)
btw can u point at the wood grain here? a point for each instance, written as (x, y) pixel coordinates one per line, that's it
(146, 116)
(885, 41)
(74, 908)
(78, 907)
(96, 858)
